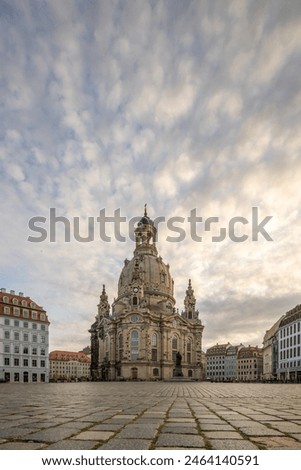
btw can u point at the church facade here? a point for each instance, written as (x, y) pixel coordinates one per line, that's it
(142, 336)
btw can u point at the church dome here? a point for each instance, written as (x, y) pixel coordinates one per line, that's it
(146, 269)
(149, 270)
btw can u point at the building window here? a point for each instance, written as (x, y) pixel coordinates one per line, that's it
(134, 345)
(43, 363)
(16, 323)
(17, 336)
(189, 351)
(15, 301)
(43, 327)
(43, 352)
(25, 336)
(34, 315)
(135, 300)
(23, 303)
(16, 361)
(156, 372)
(120, 347)
(16, 311)
(154, 342)
(7, 348)
(34, 326)
(7, 310)
(5, 299)
(6, 361)
(43, 339)
(16, 350)
(25, 362)
(34, 363)
(16, 377)
(25, 350)
(6, 321)
(107, 347)
(25, 313)
(34, 351)
(174, 348)
(25, 377)
(25, 324)
(42, 318)
(34, 377)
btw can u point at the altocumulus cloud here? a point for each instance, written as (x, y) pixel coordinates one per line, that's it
(182, 105)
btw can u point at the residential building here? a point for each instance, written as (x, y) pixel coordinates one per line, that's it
(289, 344)
(69, 366)
(215, 362)
(230, 362)
(24, 339)
(270, 352)
(143, 337)
(249, 364)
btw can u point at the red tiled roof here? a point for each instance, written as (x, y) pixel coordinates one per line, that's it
(69, 356)
(30, 305)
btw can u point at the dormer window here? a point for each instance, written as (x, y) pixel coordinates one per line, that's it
(15, 301)
(5, 299)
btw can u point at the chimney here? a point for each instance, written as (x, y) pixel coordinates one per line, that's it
(21, 294)
(3, 289)
(12, 292)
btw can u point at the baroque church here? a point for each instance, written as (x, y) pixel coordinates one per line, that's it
(143, 336)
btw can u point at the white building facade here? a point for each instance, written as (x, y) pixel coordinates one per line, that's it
(289, 346)
(24, 339)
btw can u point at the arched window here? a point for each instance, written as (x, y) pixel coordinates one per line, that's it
(120, 347)
(174, 348)
(6, 299)
(156, 372)
(107, 347)
(154, 340)
(134, 345)
(189, 351)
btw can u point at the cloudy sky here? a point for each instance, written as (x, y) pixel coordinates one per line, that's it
(182, 105)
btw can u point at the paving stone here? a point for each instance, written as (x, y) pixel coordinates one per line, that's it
(106, 427)
(137, 431)
(281, 443)
(286, 427)
(14, 445)
(222, 435)
(216, 427)
(15, 433)
(51, 435)
(94, 435)
(228, 444)
(72, 444)
(260, 431)
(179, 430)
(127, 444)
(182, 440)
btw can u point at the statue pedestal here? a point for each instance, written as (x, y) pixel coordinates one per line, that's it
(178, 371)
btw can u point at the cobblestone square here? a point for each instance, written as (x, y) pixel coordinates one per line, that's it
(150, 415)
